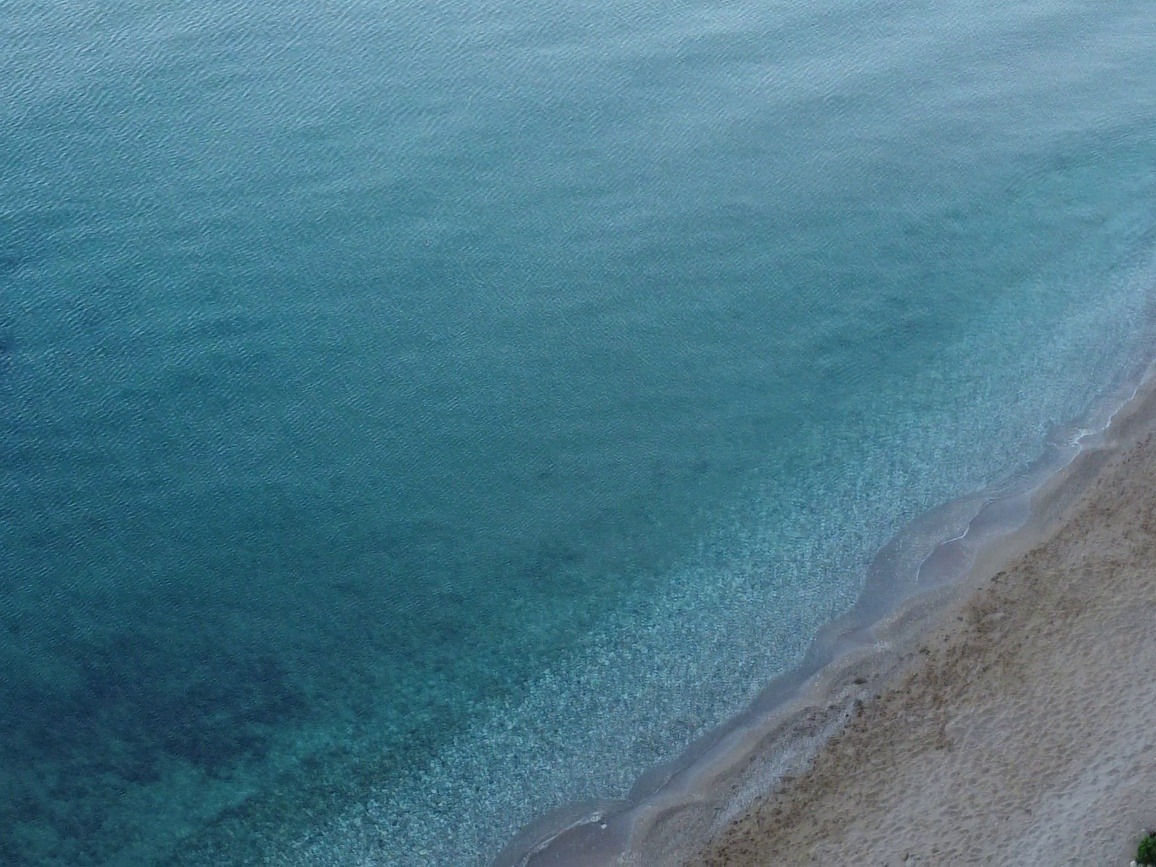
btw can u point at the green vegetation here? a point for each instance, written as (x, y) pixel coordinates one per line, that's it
(1146, 851)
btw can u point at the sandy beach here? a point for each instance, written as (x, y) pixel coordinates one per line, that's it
(1021, 725)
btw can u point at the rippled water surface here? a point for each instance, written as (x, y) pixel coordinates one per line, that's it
(415, 417)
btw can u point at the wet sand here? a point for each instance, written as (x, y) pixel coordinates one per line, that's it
(1018, 725)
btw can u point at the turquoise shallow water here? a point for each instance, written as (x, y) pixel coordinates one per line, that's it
(415, 418)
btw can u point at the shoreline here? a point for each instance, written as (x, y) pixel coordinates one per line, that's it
(1018, 726)
(919, 582)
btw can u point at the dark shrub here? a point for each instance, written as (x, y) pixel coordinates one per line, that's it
(1146, 852)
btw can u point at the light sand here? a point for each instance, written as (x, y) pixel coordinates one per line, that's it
(1020, 731)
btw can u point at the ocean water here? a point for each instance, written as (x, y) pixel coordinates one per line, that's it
(418, 417)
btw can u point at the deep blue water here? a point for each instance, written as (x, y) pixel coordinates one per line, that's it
(414, 417)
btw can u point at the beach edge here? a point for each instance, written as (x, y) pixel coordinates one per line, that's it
(677, 810)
